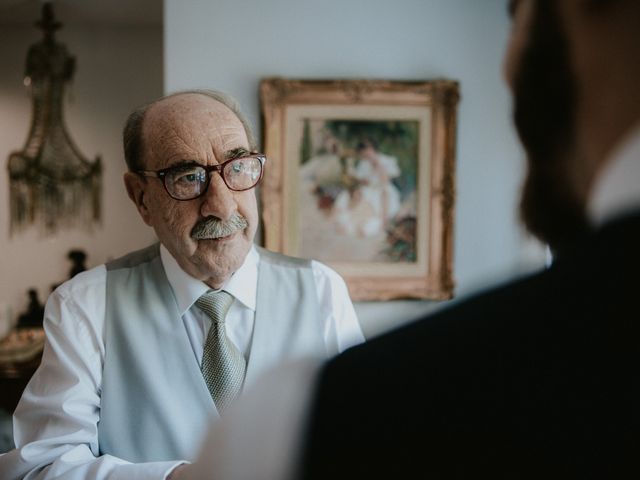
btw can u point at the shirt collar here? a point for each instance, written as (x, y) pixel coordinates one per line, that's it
(617, 191)
(243, 284)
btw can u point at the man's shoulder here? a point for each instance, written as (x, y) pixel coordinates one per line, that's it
(485, 318)
(320, 272)
(135, 258)
(81, 283)
(282, 260)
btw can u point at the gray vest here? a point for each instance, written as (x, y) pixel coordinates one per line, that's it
(154, 403)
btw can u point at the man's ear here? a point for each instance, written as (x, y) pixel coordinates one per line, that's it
(135, 186)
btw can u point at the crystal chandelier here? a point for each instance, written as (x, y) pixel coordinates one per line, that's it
(52, 185)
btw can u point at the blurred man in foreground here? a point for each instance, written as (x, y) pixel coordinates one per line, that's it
(536, 379)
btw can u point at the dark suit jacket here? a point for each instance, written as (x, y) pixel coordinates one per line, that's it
(537, 379)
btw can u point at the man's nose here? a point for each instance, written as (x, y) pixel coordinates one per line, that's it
(218, 200)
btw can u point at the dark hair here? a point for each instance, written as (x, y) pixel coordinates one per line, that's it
(132, 138)
(132, 132)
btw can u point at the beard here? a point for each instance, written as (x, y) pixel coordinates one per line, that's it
(551, 206)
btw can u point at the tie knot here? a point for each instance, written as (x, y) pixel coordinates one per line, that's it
(215, 304)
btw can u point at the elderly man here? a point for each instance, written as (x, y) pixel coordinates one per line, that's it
(143, 351)
(535, 379)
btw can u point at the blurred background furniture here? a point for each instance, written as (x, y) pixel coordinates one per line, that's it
(20, 354)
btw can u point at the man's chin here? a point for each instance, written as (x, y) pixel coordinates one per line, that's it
(217, 261)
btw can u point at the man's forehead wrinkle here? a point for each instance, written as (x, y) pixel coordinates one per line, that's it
(193, 127)
(223, 138)
(181, 142)
(171, 142)
(172, 132)
(232, 135)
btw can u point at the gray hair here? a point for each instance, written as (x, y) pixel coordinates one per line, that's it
(132, 132)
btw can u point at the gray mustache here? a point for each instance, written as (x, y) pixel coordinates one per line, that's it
(213, 227)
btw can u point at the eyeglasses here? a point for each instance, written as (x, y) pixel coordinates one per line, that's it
(186, 182)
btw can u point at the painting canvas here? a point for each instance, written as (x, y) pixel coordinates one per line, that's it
(353, 177)
(357, 188)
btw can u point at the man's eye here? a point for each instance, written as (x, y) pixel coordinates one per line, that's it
(188, 176)
(237, 167)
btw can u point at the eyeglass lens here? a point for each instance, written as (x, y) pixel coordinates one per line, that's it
(187, 182)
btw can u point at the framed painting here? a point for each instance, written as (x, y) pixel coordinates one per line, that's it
(361, 176)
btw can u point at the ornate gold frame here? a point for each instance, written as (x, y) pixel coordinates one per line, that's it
(437, 99)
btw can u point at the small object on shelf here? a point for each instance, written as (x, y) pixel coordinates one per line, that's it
(34, 314)
(77, 258)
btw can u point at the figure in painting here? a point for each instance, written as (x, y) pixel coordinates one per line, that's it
(365, 210)
(358, 190)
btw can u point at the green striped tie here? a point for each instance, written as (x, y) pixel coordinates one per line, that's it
(223, 365)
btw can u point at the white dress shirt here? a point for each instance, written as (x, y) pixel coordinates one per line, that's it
(55, 424)
(617, 191)
(247, 445)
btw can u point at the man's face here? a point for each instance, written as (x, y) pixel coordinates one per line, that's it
(193, 127)
(538, 70)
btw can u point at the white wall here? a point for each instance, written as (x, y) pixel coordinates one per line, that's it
(117, 69)
(230, 46)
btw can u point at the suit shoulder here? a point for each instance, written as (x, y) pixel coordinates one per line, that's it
(491, 314)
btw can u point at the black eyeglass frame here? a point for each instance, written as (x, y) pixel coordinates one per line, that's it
(162, 174)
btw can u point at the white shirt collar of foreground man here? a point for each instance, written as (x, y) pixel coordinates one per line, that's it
(617, 191)
(187, 289)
